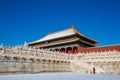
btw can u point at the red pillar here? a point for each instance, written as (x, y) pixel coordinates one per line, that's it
(75, 50)
(72, 50)
(79, 48)
(66, 50)
(58, 50)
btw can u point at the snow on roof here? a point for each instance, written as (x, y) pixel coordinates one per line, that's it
(55, 35)
(59, 34)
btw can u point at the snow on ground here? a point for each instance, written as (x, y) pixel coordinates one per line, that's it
(60, 76)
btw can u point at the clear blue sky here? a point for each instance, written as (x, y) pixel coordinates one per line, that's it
(28, 20)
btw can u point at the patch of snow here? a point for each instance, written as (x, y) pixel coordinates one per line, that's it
(60, 76)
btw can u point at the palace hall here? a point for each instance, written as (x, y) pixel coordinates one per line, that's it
(70, 41)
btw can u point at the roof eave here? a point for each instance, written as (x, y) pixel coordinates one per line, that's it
(83, 35)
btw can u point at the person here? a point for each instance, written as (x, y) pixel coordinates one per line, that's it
(94, 70)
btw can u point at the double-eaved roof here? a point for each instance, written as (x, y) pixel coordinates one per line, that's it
(60, 34)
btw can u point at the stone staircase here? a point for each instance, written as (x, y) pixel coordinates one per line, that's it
(84, 67)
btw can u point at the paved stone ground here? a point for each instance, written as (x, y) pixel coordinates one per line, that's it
(60, 76)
